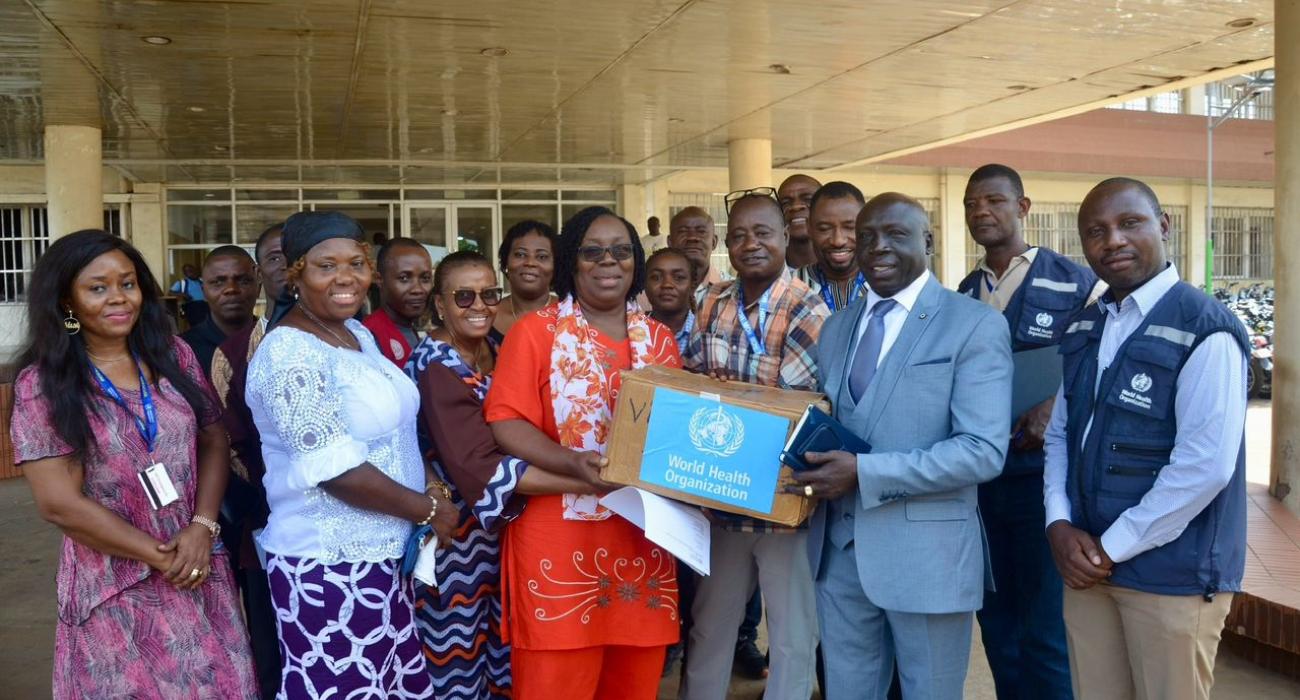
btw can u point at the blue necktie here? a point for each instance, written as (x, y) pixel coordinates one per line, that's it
(868, 354)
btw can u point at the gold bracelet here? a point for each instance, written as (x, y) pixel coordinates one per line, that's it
(433, 510)
(440, 486)
(213, 526)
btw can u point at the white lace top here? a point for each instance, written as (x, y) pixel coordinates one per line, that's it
(321, 411)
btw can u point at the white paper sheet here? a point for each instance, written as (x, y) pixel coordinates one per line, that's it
(426, 564)
(681, 529)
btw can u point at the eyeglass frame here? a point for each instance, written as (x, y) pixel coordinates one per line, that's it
(734, 196)
(587, 252)
(476, 294)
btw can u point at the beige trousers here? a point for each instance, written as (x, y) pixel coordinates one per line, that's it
(1131, 645)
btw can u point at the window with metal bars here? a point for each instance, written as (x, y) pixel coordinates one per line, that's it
(1243, 243)
(24, 236)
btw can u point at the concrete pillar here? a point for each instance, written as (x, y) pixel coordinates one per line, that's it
(632, 204)
(1285, 468)
(1193, 271)
(749, 163)
(658, 201)
(74, 171)
(953, 234)
(147, 233)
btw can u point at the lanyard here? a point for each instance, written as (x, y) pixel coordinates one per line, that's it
(755, 341)
(684, 335)
(147, 426)
(828, 295)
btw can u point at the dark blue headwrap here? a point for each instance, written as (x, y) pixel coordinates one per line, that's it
(302, 232)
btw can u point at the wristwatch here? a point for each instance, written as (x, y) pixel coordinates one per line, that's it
(213, 526)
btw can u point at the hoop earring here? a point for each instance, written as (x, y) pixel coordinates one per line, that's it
(71, 324)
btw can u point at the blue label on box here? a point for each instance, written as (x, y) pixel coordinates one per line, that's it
(707, 448)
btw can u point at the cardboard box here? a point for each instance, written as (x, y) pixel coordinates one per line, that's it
(692, 438)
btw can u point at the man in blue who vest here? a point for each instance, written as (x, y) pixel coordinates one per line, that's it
(1144, 482)
(1038, 291)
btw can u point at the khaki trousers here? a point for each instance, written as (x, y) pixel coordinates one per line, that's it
(1131, 645)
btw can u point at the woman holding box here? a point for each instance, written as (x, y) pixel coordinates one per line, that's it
(460, 618)
(590, 604)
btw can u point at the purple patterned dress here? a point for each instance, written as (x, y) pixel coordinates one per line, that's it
(123, 630)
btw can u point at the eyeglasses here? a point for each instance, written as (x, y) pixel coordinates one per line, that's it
(595, 253)
(464, 298)
(733, 197)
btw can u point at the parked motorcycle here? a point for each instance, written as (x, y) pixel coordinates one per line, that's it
(1253, 306)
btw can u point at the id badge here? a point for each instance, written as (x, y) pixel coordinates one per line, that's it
(158, 485)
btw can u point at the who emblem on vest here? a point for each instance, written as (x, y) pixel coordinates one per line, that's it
(1141, 383)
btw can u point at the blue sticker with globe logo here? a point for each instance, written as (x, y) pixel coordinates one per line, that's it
(704, 447)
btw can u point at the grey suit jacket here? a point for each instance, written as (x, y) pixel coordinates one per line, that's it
(938, 418)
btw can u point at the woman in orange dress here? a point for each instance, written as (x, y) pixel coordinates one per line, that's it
(590, 605)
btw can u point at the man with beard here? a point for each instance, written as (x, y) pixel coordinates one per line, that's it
(832, 215)
(923, 376)
(795, 196)
(230, 291)
(1038, 291)
(243, 508)
(405, 274)
(691, 231)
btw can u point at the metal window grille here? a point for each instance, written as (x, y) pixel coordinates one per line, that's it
(1243, 243)
(932, 212)
(1220, 96)
(1164, 103)
(23, 237)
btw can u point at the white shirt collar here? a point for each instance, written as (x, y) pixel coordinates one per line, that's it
(906, 297)
(1146, 296)
(1028, 256)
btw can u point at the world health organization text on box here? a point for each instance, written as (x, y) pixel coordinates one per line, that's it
(725, 453)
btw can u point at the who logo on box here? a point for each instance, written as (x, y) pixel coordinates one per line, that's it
(717, 432)
(727, 453)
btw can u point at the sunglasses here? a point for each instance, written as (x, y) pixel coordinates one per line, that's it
(464, 298)
(733, 197)
(595, 253)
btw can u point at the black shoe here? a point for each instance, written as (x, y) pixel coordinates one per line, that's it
(751, 661)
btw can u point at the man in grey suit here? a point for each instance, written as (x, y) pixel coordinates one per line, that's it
(923, 374)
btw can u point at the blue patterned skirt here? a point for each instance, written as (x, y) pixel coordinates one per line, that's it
(347, 630)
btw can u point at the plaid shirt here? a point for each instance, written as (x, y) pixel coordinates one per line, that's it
(719, 343)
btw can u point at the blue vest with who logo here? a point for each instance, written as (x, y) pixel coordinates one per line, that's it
(1132, 436)
(1054, 290)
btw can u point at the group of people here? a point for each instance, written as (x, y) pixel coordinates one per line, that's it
(243, 504)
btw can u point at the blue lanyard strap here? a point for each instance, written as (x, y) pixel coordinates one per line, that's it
(755, 339)
(147, 426)
(683, 337)
(828, 294)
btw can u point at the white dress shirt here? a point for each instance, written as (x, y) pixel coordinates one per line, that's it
(894, 318)
(1210, 412)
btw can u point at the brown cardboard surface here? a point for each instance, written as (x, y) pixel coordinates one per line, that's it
(632, 419)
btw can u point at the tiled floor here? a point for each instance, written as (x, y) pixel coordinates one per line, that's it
(1273, 559)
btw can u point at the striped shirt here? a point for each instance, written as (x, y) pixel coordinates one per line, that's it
(720, 344)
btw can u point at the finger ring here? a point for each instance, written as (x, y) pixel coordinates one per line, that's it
(808, 490)
(194, 573)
